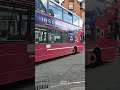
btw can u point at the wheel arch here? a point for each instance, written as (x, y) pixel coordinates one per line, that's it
(98, 51)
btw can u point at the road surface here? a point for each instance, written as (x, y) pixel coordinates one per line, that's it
(104, 77)
(63, 73)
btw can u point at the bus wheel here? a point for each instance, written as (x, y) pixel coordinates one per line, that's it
(74, 50)
(95, 59)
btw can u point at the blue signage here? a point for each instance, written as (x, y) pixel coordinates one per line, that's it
(47, 20)
(44, 20)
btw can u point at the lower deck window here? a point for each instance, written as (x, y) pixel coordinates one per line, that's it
(50, 36)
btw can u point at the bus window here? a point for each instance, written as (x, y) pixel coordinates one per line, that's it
(55, 11)
(54, 36)
(64, 37)
(75, 20)
(40, 35)
(13, 23)
(32, 36)
(111, 31)
(67, 16)
(41, 5)
(89, 30)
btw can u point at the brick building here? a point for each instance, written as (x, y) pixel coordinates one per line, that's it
(74, 6)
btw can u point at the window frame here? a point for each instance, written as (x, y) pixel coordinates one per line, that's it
(6, 7)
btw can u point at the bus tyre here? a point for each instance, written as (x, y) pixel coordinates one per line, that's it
(74, 50)
(95, 59)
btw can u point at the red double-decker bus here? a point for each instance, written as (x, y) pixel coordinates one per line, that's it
(16, 40)
(58, 31)
(100, 35)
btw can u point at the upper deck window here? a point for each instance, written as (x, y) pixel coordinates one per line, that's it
(67, 16)
(75, 20)
(55, 10)
(41, 5)
(14, 23)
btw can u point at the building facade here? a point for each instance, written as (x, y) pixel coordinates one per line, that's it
(74, 6)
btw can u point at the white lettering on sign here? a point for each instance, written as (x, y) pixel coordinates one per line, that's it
(48, 21)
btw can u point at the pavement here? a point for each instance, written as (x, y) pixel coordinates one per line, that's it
(63, 73)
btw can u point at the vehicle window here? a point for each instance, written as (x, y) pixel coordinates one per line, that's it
(55, 12)
(89, 30)
(64, 37)
(32, 35)
(54, 36)
(67, 16)
(13, 23)
(41, 5)
(75, 20)
(111, 31)
(40, 35)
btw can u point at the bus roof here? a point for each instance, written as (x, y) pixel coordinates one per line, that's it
(65, 8)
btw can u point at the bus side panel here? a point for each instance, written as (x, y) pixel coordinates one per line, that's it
(59, 48)
(55, 50)
(13, 57)
(16, 75)
(108, 54)
(40, 52)
(15, 63)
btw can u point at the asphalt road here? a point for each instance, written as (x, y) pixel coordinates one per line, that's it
(104, 77)
(63, 73)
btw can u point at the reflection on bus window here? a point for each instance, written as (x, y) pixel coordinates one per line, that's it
(40, 36)
(41, 5)
(13, 23)
(64, 37)
(33, 24)
(55, 10)
(67, 16)
(75, 20)
(54, 36)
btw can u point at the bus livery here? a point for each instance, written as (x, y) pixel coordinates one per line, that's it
(58, 31)
(16, 40)
(100, 33)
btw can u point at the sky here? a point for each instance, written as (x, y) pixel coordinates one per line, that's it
(63, 0)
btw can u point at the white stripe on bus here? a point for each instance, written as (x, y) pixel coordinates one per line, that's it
(62, 48)
(58, 48)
